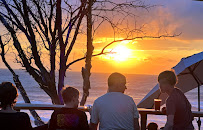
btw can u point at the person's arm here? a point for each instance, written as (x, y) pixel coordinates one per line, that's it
(94, 119)
(51, 123)
(136, 116)
(163, 110)
(84, 123)
(136, 124)
(170, 112)
(93, 126)
(169, 123)
(27, 124)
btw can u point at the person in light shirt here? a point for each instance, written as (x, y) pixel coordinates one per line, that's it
(115, 110)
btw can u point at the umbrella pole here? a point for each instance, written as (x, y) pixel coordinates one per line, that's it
(199, 84)
(199, 121)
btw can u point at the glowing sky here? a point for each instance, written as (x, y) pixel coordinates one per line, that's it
(149, 56)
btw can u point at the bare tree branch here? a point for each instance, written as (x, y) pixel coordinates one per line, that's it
(115, 41)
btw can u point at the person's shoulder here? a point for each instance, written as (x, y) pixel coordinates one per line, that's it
(101, 98)
(57, 111)
(22, 114)
(65, 111)
(82, 113)
(73, 111)
(127, 96)
(178, 90)
(113, 94)
(78, 111)
(70, 110)
(173, 95)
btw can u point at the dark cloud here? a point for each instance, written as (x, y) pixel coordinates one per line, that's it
(185, 15)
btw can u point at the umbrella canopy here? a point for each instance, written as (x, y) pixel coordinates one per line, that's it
(190, 75)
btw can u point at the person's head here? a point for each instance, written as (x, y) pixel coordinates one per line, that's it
(8, 95)
(167, 80)
(117, 82)
(70, 96)
(152, 126)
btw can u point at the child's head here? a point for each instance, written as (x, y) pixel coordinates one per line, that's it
(152, 126)
(167, 80)
(70, 96)
(8, 94)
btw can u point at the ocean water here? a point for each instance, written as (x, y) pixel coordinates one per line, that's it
(137, 87)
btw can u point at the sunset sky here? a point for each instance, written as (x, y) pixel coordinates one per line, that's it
(151, 56)
(148, 56)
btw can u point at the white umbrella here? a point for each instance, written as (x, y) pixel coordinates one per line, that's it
(190, 75)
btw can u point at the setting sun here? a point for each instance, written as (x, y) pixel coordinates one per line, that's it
(119, 53)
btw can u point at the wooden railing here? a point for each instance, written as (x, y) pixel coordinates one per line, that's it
(143, 112)
(27, 106)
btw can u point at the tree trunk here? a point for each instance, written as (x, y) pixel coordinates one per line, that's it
(61, 84)
(37, 118)
(86, 70)
(54, 97)
(62, 69)
(62, 72)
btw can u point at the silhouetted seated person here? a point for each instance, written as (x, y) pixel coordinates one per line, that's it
(69, 117)
(178, 108)
(9, 118)
(115, 110)
(152, 126)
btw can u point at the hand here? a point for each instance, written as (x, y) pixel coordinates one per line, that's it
(89, 107)
(163, 110)
(90, 110)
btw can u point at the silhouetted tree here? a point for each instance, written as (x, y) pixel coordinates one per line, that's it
(39, 19)
(53, 26)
